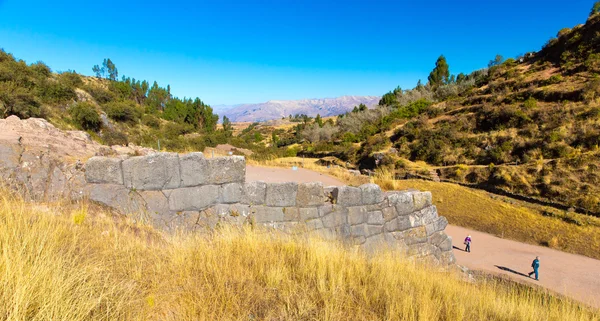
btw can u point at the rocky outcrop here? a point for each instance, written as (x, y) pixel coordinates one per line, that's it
(191, 192)
(44, 162)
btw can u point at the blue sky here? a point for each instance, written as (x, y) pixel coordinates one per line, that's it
(228, 52)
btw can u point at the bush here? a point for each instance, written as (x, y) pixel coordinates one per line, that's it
(554, 79)
(85, 116)
(70, 79)
(18, 101)
(530, 103)
(123, 111)
(173, 130)
(101, 95)
(52, 91)
(113, 137)
(151, 121)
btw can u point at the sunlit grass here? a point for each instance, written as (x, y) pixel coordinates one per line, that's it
(506, 218)
(54, 267)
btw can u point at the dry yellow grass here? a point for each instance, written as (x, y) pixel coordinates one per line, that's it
(514, 220)
(311, 163)
(78, 265)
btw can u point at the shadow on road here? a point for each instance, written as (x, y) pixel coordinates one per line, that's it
(458, 248)
(504, 268)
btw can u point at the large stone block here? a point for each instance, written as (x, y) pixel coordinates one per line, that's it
(348, 196)
(415, 235)
(334, 219)
(223, 170)
(281, 194)
(103, 170)
(315, 224)
(403, 202)
(428, 215)
(374, 229)
(310, 194)
(264, 214)
(326, 209)
(254, 193)
(421, 200)
(357, 215)
(194, 169)
(389, 213)
(152, 172)
(231, 193)
(193, 198)
(291, 214)
(115, 196)
(156, 202)
(308, 213)
(371, 194)
(437, 225)
(359, 230)
(375, 218)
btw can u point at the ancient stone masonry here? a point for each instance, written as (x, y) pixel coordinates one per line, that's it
(192, 192)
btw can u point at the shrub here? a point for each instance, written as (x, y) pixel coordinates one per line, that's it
(70, 79)
(41, 70)
(18, 101)
(530, 103)
(173, 130)
(123, 111)
(101, 95)
(151, 121)
(52, 91)
(554, 79)
(85, 116)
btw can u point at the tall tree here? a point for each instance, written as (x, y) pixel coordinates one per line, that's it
(440, 75)
(111, 69)
(595, 8)
(108, 70)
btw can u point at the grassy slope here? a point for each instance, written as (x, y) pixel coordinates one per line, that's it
(508, 218)
(76, 265)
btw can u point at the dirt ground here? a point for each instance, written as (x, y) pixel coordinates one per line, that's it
(280, 175)
(573, 275)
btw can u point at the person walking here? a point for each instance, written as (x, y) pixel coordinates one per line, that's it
(468, 243)
(535, 265)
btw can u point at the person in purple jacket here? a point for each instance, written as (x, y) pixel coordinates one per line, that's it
(468, 244)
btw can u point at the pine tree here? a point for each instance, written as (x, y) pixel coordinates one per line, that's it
(440, 75)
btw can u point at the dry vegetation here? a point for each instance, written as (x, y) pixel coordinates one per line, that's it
(74, 263)
(508, 218)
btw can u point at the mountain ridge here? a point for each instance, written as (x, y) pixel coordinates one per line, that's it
(276, 109)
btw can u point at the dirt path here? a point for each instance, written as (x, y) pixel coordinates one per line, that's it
(573, 275)
(280, 175)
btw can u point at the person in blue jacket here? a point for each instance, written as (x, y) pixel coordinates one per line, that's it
(535, 265)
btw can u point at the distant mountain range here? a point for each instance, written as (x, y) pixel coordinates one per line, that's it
(276, 109)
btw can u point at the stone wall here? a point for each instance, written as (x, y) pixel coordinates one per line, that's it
(192, 192)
